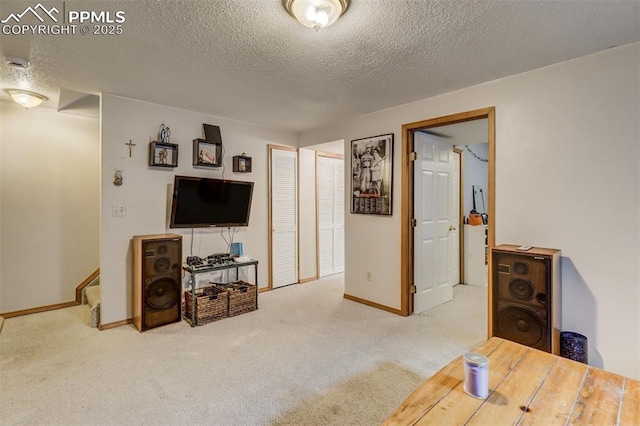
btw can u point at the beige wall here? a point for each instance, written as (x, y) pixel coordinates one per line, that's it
(146, 191)
(566, 177)
(49, 193)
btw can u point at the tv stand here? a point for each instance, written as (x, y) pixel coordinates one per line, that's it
(195, 270)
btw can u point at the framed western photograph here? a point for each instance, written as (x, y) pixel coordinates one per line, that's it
(372, 175)
(163, 154)
(207, 153)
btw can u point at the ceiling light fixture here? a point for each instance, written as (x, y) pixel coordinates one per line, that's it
(316, 14)
(14, 61)
(25, 98)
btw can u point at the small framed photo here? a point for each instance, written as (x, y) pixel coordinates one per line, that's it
(163, 154)
(241, 163)
(372, 174)
(207, 153)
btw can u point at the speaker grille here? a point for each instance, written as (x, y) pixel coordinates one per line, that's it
(521, 268)
(162, 293)
(521, 289)
(161, 265)
(521, 325)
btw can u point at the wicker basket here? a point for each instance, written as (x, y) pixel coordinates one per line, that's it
(242, 297)
(212, 304)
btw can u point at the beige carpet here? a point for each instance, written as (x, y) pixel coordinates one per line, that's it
(307, 356)
(366, 399)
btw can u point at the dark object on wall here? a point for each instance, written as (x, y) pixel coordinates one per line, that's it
(207, 153)
(163, 154)
(242, 163)
(212, 133)
(574, 346)
(526, 296)
(156, 280)
(202, 202)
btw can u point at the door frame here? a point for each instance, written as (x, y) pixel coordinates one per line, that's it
(406, 238)
(270, 148)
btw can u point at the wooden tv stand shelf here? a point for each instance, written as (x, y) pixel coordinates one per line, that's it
(194, 271)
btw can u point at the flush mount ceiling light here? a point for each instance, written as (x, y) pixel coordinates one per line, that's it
(25, 98)
(14, 61)
(316, 14)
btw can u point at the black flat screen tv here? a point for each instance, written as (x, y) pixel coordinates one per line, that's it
(202, 202)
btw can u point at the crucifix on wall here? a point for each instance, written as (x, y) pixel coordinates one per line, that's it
(131, 145)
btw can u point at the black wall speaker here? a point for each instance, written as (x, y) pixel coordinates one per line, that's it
(526, 296)
(157, 285)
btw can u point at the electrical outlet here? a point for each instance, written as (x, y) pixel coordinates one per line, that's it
(368, 275)
(118, 210)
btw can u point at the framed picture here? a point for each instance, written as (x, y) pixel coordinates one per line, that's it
(163, 154)
(241, 164)
(207, 153)
(372, 175)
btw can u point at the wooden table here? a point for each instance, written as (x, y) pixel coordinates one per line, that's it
(526, 386)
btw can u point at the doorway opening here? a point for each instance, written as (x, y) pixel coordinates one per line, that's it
(408, 219)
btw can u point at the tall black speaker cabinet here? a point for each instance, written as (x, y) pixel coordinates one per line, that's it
(157, 284)
(525, 296)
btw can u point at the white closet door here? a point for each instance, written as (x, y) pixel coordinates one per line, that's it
(331, 215)
(338, 218)
(284, 217)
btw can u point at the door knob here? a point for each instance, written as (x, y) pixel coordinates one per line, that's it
(452, 228)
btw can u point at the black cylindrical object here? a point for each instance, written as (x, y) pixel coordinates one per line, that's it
(574, 346)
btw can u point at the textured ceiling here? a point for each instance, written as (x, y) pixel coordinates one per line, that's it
(249, 60)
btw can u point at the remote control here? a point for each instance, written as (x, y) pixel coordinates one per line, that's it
(524, 248)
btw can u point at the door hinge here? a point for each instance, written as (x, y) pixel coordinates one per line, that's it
(414, 222)
(413, 156)
(412, 289)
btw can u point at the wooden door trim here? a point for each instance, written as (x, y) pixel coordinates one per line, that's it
(270, 149)
(406, 235)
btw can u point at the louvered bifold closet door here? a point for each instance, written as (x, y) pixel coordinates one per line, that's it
(284, 217)
(331, 215)
(338, 218)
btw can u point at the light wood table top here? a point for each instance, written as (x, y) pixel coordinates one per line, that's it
(526, 386)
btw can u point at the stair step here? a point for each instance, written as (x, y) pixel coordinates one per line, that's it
(93, 296)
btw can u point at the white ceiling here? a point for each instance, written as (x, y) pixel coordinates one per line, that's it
(249, 60)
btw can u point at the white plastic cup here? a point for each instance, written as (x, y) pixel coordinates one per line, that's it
(476, 375)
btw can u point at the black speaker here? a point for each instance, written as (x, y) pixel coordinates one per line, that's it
(157, 285)
(526, 296)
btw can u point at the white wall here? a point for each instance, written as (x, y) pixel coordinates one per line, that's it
(145, 192)
(475, 172)
(49, 193)
(307, 214)
(566, 177)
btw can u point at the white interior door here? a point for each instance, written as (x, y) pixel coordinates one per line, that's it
(284, 217)
(330, 215)
(435, 222)
(455, 210)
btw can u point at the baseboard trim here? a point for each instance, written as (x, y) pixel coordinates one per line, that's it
(306, 280)
(85, 283)
(373, 304)
(116, 324)
(63, 305)
(39, 309)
